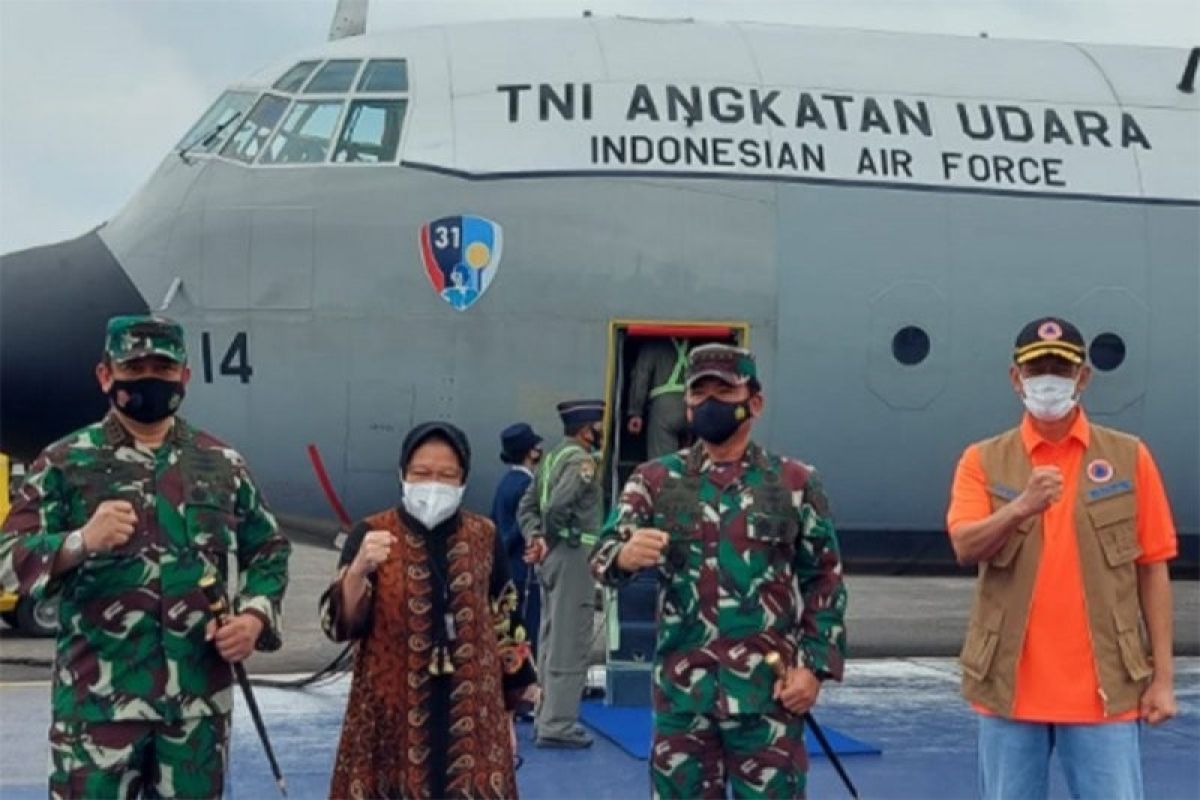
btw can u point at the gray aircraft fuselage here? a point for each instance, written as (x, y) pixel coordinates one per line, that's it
(311, 318)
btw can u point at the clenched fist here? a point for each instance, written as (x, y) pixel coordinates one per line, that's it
(644, 549)
(376, 546)
(1045, 488)
(110, 527)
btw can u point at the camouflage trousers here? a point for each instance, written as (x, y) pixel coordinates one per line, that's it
(94, 760)
(759, 755)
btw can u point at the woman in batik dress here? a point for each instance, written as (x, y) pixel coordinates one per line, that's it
(441, 662)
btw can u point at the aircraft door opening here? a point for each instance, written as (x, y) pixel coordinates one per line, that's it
(644, 390)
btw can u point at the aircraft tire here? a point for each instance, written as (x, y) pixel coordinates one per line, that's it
(37, 618)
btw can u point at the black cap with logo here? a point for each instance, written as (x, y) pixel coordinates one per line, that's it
(1050, 336)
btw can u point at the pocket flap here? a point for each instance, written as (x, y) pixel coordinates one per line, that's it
(1119, 543)
(1004, 558)
(1133, 650)
(1112, 512)
(979, 648)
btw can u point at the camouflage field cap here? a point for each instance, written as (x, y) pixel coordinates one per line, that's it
(140, 335)
(734, 365)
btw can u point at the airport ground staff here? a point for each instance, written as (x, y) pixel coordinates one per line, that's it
(1069, 524)
(121, 519)
(656, 396)
(748, 565)
(561, 515)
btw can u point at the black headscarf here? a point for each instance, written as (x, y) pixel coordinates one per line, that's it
(448, 433)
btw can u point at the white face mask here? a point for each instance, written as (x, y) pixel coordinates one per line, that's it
(1049, 397)
(432, 503)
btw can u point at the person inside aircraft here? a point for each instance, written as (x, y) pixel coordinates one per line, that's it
(425, 587)
(656, 396)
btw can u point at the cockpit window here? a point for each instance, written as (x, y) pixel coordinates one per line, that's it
(207, 134)
(294, 78)
(384, 75)
(305, 134)
(248, 142)
(335, 76)
(371, 133)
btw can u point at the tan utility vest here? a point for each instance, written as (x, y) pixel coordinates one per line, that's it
(1106, 532)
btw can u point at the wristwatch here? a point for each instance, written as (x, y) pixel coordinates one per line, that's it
(74, 546)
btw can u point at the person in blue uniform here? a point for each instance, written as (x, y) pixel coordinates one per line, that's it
(521, 449)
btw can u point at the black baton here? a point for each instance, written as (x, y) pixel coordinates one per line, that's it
(775, 662)
(217, 604)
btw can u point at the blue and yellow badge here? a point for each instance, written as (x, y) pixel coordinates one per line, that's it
(461, 257)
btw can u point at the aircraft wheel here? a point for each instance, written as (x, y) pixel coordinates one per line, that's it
(38, 618)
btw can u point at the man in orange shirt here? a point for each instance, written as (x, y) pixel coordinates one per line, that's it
(1070, 526)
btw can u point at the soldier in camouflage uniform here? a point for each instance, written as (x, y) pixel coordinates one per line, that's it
(560, 516)
(748, 564)
(121, 520)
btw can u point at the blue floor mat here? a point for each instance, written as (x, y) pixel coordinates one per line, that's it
(629, 728)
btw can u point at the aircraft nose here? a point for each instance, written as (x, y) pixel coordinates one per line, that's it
(54, 303)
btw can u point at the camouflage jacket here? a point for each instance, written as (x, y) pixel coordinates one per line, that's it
(564, 501)
(131, 622)
(752, 567)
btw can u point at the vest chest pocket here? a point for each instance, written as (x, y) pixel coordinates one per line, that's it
(211, 532)
(979, 648)
(1114, 520)
(684, 538)
(772, 519)
(678, 510)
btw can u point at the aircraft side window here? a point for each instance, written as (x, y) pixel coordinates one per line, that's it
(910, 345)
(384, 75)
(217, 123)
(248, 142)
(304, 136)
(295, 77)
(371, 133)
(336, 76)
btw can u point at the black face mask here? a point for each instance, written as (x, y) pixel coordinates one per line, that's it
(147, 399)
(715, 421)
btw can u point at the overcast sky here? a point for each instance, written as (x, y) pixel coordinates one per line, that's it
(93, 93)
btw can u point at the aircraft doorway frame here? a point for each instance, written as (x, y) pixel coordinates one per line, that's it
(621, 332)
(630, 612)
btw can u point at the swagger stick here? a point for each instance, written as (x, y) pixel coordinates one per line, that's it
(775, 662)
(220, 611)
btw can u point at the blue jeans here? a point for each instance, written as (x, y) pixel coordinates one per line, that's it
(1101, 762)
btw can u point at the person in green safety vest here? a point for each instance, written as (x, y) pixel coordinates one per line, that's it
(560, 516)
(656, 396)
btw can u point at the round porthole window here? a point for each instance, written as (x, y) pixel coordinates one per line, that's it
(910, 345)
(1107, 352)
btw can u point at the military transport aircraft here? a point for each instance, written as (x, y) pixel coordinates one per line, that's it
(475, 221)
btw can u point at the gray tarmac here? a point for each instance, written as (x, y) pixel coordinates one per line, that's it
(888, 616)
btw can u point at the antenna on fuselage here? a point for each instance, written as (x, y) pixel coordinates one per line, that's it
(349, 19)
